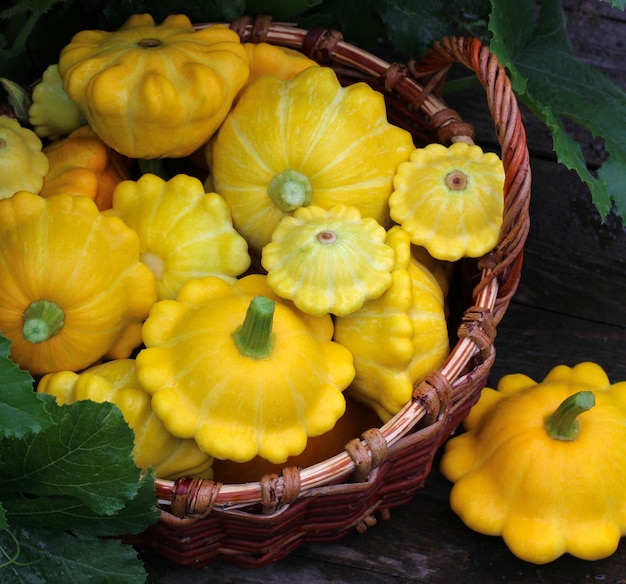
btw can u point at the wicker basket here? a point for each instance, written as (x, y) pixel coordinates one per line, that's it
(256, 523)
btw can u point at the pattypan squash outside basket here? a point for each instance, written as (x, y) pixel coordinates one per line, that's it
(116, 382)
(544, 464)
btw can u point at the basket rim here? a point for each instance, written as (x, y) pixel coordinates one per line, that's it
(296, 482)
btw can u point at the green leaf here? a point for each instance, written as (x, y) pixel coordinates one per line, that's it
(116, 13)
(55, 557)
(555, 85)
(50, 512)
(22, 411)
(86, 455)
(279, 9)
(358, 21)
(416, 24)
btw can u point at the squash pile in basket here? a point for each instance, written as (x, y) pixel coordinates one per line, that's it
(288, 272)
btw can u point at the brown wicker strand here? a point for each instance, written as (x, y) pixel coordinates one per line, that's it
(478, 325)
(269, 495)
(367, 521)
(360, 455)
(377, 444)
(291, 485)
(320, 44)
(451, 128)
(393, 74)
(434, 393)
(257, 28)
(194, 497)
(432, 87)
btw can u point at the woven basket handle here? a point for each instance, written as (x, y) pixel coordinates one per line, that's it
(511, 135)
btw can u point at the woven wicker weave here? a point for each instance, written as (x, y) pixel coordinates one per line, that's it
(256, 523)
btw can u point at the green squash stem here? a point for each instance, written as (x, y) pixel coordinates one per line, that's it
(42, 320)
(564, 424)
(290, 190)
(154, 166)
(254, 338)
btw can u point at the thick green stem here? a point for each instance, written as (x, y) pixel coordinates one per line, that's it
(290, 190)
(42, 320)
(564, 424)
(27, 28)
(462, 83)
(154, 166)
(254, 338)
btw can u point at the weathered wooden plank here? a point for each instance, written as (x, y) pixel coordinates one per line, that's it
(532, 341)
(573, 262)
(596, 31)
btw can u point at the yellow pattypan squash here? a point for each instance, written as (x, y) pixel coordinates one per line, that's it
(357, 419)
(280, 62)
(328, 261)
(22, 162)
(305, 141)
(398, 338)
(184, 232)
(82, 164)
(72, 287)
(53, 113)
(450, 200)
(116, 382)
(441, 269)
(544, 467)
(155, 91)
(241, 371)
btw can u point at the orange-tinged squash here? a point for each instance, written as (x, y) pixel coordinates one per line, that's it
(82, 164)
(72, 286)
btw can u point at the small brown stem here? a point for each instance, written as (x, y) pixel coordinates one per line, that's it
(456, 180)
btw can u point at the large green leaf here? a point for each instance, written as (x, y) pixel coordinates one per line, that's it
(50, 512)
(55, 557)
(556, 85)
(414, 25)
(22, 412)
(86, 455)
(279, 9)
(409, 26)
